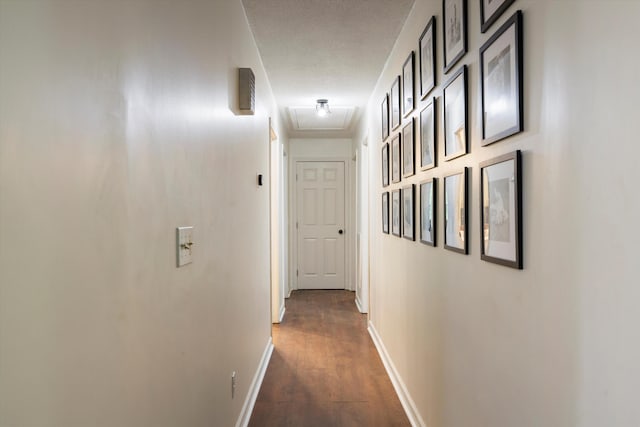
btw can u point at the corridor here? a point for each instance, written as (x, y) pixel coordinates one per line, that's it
(325, 370)
(170, 170)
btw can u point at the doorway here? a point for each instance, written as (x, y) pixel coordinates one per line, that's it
(320, 224)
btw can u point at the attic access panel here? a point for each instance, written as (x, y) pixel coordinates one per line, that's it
(306, 118)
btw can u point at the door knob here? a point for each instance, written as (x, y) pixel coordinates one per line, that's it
(340, 231)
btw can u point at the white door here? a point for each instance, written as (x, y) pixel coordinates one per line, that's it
(320, 225)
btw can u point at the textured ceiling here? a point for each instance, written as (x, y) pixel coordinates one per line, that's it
(332, 49)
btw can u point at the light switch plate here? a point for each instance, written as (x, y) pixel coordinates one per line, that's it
(184, 245)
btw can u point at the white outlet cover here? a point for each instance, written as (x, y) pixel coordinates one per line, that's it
(184, 245)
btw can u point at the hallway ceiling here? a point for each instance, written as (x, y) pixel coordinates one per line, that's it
(332, 49)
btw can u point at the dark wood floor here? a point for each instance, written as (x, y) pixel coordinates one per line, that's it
(325, 370)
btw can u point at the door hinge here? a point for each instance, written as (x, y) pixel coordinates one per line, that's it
(296, 273)
(296, 177)
(296, 225)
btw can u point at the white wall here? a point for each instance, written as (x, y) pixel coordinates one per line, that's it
(319, 148)
(116, 127)
(557, 344)
(323, 149)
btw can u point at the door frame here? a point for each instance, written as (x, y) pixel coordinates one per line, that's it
(362, 226)
(349, 268)
(277, 206)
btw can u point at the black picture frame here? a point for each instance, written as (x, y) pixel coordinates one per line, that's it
(408, 87)
(408, 212)
(454, 32)
(429, 211)
(394, 103)
(427, 55)
(456, 115)
(456, 212)
(490, 13)
(385, 212)
(385, 164)
(396, 213)
(428, 136)
(396, 171)
(384, 107)
(408, 149)
(501, 210)
(501, 82)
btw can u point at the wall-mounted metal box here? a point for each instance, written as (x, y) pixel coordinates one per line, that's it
(246, 91)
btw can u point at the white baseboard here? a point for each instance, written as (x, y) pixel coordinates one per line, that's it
(281, 316)
(359, 306)
(250, 401)
(401, 390)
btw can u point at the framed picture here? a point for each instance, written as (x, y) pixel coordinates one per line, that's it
(408, 230)
(501, 82)
(490, 11)
(456, 115)
(384, 107)
(394, 108)
(501, 210)
(407, 85)
(427, 53)
(428, 136)
(456, 236)
(385, 164)
(395, 212)
(385, 212)
(395, 159)
(428, 198)
(454, 17)
(408, 157)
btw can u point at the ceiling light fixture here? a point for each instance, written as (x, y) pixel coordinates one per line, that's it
(322, 107)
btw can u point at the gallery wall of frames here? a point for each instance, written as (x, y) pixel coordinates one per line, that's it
(411, 127)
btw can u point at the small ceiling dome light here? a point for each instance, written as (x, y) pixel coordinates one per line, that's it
(322, 107)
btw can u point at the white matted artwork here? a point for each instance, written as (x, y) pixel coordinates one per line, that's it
(394, 108)
(408, 212)
(408, 143)
(501, 82)
(454, 13)
(384, 111)
(385, 164)
(455, 212)
(500, 214)
(395, 158)
(428, 136)
(385, 212)
(395, 213)
(407, 85)
(455, 115)
(427, 54)
(428, 197)
(490, 11)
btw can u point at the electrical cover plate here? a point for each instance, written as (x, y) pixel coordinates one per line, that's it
(184, 244)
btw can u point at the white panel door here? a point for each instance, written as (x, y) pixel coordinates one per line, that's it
(320, 225)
